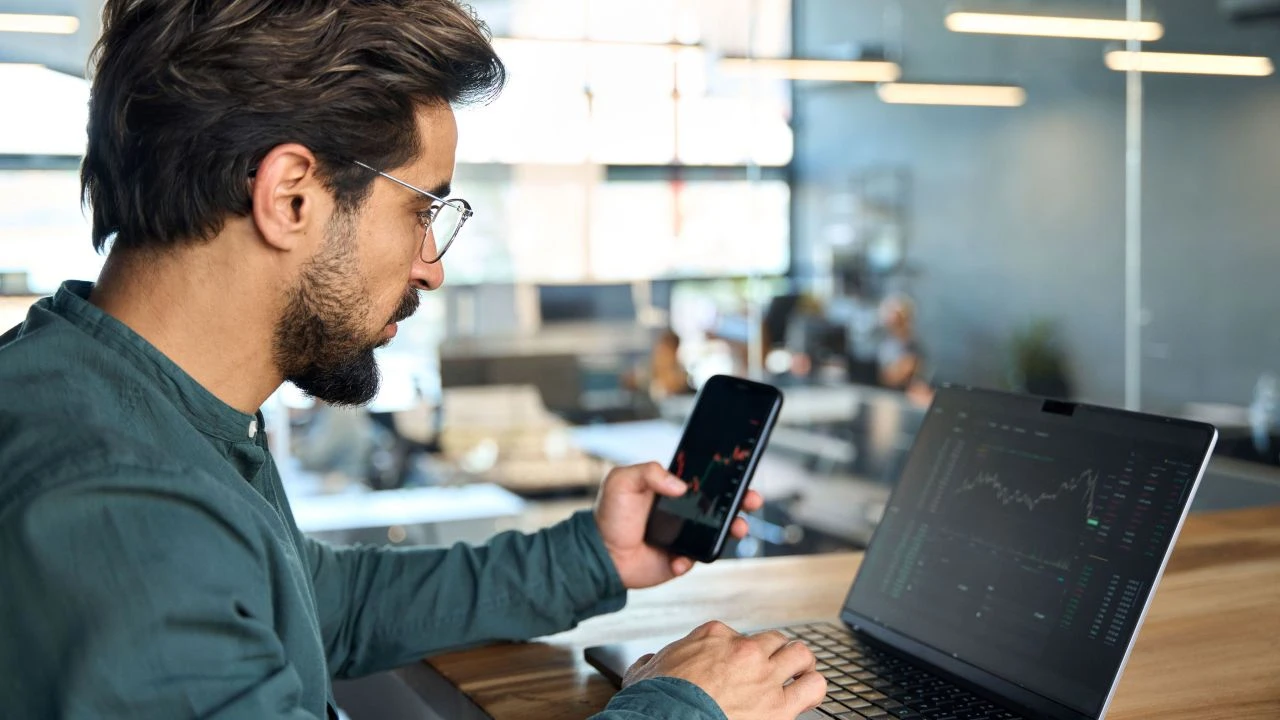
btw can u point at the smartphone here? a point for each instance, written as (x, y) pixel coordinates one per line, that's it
(722, 442)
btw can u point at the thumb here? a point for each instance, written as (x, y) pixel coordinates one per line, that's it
(649, 477)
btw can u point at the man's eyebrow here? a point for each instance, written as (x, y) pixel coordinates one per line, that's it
(441, 191)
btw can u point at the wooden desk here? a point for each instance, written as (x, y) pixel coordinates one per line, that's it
(1210, 647)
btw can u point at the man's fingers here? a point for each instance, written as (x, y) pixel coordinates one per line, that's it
(651, 476)
(752, 502)
(738, 528)
(771, 640)
(713, 628)
(806, 693)
(681, 565)
(792, 660)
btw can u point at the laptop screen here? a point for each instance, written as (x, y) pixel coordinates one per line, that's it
(1024, 537)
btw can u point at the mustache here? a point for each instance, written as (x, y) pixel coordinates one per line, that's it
(408, 306)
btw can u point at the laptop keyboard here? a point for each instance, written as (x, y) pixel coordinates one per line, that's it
(863, 682)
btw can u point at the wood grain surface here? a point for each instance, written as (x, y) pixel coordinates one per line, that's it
(1210, 647)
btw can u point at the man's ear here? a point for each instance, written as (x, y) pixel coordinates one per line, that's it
(289, 201)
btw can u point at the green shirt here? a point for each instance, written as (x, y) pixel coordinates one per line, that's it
(152, 567)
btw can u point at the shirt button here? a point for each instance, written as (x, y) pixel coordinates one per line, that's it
(253, 428)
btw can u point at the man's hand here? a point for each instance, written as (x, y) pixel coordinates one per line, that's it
(621, 511)
(765, 676)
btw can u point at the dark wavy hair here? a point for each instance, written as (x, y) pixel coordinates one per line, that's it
(189, 95)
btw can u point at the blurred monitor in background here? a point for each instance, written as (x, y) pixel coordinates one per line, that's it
(586, 303)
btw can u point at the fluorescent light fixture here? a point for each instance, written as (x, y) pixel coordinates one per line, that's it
(48, 24)
(500, 42)
(867, 71)
(1188, 63)
(1050, 26)
(952, 94)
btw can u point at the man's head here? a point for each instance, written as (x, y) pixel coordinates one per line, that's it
(274, 118)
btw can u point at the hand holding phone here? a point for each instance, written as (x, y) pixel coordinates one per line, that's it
(722, 442)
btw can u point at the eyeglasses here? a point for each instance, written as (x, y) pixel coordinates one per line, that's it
(442, 219)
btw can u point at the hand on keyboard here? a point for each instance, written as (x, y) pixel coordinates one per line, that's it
(752, 677)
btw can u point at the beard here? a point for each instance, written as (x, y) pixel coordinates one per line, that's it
(323, 343)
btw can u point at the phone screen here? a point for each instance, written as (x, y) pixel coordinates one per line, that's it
(723, 439)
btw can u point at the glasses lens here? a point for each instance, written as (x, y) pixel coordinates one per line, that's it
(443, 231)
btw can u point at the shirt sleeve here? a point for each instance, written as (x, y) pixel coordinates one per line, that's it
(386, 607)
(663, 697)
(137, 600)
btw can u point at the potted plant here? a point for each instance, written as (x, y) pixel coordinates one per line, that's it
(1039, 364)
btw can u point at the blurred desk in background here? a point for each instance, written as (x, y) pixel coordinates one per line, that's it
(1245, 469)
(418, 516)
(807, 405)
(577, 367)
(504, 434)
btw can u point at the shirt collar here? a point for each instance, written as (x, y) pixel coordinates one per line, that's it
(209, 414)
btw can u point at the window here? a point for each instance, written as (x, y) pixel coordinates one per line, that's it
(44, 234)
(595, 86)
(601, 85)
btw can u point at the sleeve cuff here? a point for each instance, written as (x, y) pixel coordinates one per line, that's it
(589, 574)
(666, 697)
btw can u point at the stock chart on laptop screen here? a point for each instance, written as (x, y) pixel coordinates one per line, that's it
(1026, 543)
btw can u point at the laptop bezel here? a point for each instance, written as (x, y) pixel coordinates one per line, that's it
(1020, 698)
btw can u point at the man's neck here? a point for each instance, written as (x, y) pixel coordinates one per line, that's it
(209, 315)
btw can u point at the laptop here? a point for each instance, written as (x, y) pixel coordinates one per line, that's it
(1013, 567)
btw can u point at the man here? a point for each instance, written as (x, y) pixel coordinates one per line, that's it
(269, 178)
(899, 354)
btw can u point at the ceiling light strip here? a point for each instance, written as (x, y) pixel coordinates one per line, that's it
(1051, 26)
(1189, 63)
(47, 24)
(952, 94)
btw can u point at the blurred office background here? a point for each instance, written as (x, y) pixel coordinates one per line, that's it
(857, 200)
